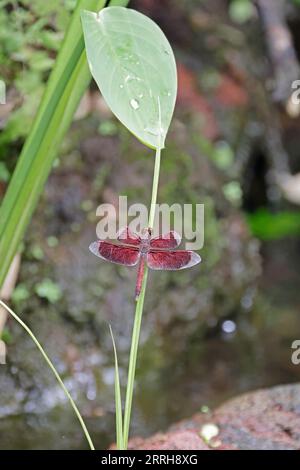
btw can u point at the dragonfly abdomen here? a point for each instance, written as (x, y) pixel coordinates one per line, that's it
(140, 275)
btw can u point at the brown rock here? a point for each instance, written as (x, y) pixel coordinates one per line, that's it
(177, 440)
(262, 420)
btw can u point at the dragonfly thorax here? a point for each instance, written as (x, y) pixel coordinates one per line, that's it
(145, 241)
(144, 246)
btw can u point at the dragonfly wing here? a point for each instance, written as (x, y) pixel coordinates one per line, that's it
(168, 240)
(172, 260)
(128, 256)
(125, 235)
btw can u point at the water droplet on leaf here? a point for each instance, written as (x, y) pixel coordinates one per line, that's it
(134, 103)
(154, 130)
(129, 78)
(151, 130)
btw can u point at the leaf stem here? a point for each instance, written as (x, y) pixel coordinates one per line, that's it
(139, 311)
(50, 364)
(154, 188)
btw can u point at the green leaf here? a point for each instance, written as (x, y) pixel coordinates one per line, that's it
(268, 226)
(133, 64)
(118, 401)
(223, 155)
(20, 293)
(6, 336)
(4, 173)
(241, 11)
(47, 289)
(233, 192)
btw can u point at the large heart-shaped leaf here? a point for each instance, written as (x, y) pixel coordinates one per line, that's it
(133, 64)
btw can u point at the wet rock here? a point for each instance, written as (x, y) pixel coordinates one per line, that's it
(263, 420)
(267, 419)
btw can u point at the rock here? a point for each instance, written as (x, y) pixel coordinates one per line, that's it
(177, 440)
(262, 420)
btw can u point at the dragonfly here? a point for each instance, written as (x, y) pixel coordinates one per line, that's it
(159, 253)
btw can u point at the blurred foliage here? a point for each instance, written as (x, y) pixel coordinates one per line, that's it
(4, 173)
(268, 226)
(222, 155)
(233, 192)
(48, 290)
(31, 33)
(219, 152)
(20, 293)
(108, 128)
(241, 11)
(37, 252)
(6, 336)
(52, 241)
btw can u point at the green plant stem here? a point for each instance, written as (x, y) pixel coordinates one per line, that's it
(154, 188)
(139, 312)
(49, 363)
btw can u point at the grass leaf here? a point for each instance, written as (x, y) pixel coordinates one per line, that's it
(51, 366)
(118, 400)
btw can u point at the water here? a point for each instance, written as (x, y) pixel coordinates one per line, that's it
(134, 104)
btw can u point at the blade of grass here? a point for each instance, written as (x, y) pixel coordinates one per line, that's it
(51, 366)
(64, 90)
(118, 400)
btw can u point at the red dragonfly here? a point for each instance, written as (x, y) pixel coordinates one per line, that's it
(157, 252)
